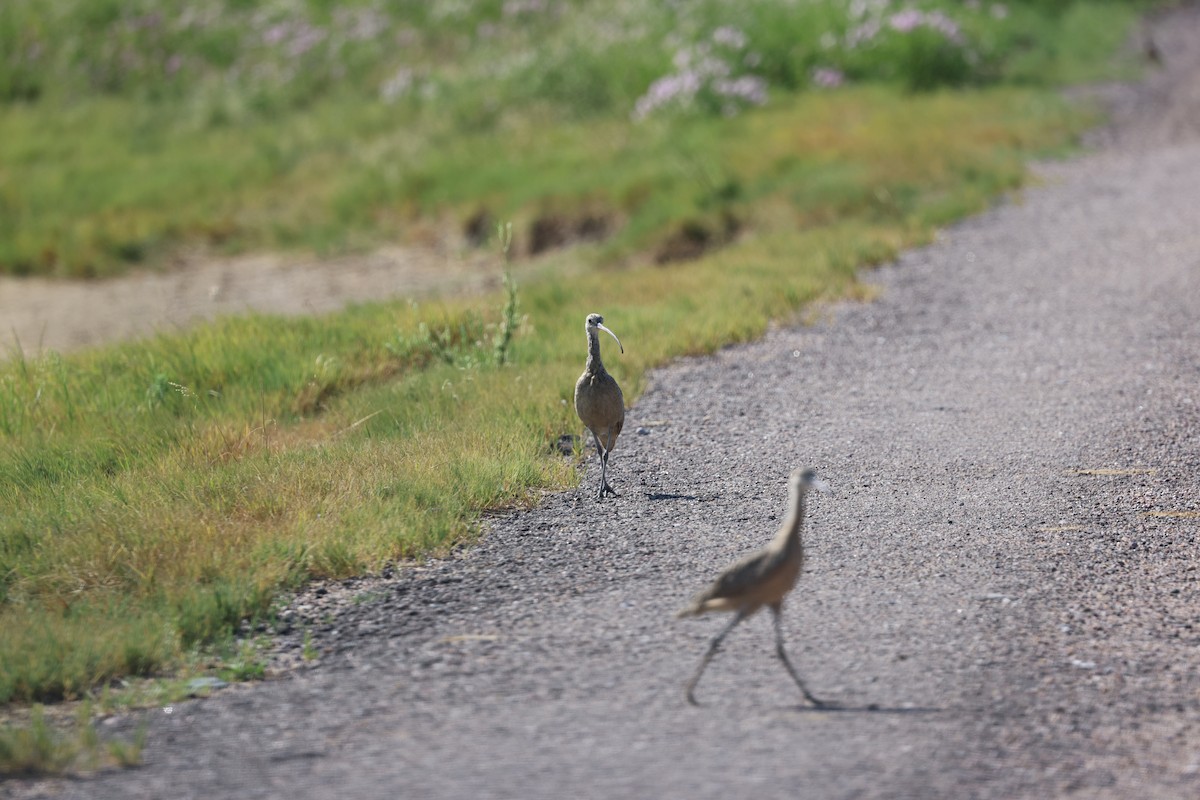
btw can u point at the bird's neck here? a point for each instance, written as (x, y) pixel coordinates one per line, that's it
(789, 532)
(594, 364)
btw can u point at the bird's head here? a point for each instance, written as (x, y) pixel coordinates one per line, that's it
(803, 479)
(595, 321)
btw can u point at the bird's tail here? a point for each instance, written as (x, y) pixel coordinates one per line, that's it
(693, 609)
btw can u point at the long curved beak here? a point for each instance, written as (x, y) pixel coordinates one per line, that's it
(610, 333)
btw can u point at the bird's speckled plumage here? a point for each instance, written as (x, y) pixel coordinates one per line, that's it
(766, 575)
(599, 401)
(763, 578)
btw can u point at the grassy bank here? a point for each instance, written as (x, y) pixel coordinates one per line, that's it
(154, 494)
(131, 130)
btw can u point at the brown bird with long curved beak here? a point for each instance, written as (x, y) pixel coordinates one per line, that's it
(599, 401)
(762, 578)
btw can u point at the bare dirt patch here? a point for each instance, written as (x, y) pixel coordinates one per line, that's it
(693, 238)
(43, 314)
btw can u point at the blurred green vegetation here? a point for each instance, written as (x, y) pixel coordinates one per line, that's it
(40, 747)
(131, 128)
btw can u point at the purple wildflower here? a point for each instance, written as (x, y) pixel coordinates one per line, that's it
(667, 90)
(514, 8)
(828, 77)
(729, 37)
(397, 85)
(860, 8)
(907, 20)
(713, 68)
(862, 34)
(305, 39)
(910, 19)
(360, 25)
(945, 26)
(701, 73)
(749, 89)
(276, 33)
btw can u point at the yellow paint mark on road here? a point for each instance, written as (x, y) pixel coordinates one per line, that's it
(1109, 471)
(1173, 514)
(1059, 528)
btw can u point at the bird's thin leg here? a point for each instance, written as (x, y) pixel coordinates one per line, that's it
(604, 475)
(600, 454)
(713, 647)
(779, 651)
(605, 488)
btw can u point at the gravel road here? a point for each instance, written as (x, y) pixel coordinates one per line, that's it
(1001, 593)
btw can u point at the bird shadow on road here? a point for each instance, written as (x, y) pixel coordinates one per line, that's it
(869, 708)
(670, 496)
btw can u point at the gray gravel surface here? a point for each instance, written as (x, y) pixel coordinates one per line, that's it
(1001, 591)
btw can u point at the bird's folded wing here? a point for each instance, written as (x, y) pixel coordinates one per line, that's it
(740, 577)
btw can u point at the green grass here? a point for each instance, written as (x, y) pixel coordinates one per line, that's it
(156, 494)
(132, 130)
(38, 747)
(1085, 29)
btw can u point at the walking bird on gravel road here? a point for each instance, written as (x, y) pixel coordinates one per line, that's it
(760, 579)
(598, 400)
